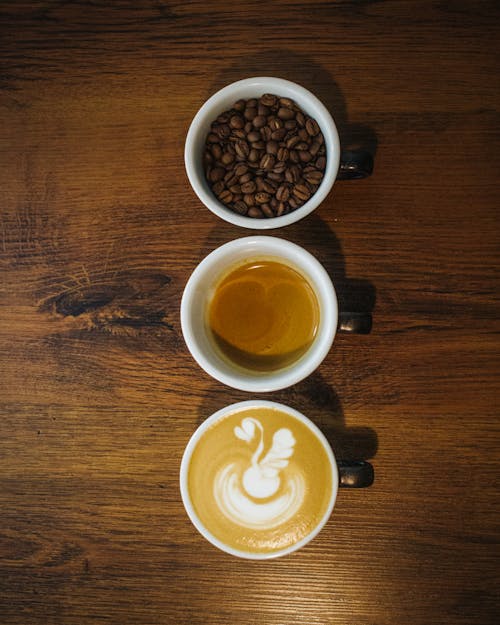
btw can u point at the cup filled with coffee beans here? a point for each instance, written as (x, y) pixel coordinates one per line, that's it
(260, 313)
(259, 479)
(264, 152)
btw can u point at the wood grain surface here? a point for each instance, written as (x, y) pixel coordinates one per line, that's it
(99, 231)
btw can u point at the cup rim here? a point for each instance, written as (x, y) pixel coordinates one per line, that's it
(184, 467)
(320, 347)
(207, 113)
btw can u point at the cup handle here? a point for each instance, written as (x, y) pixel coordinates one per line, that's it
(355, 164)
(355, 322)
(358, 474)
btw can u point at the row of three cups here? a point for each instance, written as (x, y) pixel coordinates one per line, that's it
(260, 314)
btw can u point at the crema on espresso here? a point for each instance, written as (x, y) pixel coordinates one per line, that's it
(260, 480)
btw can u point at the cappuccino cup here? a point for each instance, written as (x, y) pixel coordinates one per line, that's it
(260, 314)
(259, 480)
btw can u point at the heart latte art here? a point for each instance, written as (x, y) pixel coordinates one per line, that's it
(260, 480)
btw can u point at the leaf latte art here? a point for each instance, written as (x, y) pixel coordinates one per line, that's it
(260, 480)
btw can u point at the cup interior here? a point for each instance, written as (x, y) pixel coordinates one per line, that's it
(199, 291)
(185, 466)
(222, 101)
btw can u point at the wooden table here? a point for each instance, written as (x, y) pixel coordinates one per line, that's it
(99, 231)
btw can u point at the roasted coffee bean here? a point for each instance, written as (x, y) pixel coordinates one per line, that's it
(249, 199)
(240, 170)
(314, 176)
(260, 121)
(253, 155)
(248, 187)
(236, 121)
(227, 158)
(285, 113)
(279, 134)
(283, 154)
(216, 174)
(261, 197)
(267, 210)
(264, 157)
(267, 162)
(240, 207)
(226, 197)
(269, 186)
(250, 113)
(253, 211)
(321, 162)
(272, 147)
(312, 127)
(283, 193)
(301, 192)
(268, 99)
(242, 149)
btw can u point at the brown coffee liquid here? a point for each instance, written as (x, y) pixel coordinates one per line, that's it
(249, 439)
(264, 315)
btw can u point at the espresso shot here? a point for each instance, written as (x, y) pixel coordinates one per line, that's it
(263, 316)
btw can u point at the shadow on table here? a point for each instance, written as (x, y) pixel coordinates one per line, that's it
(315, 398)
(300, 68)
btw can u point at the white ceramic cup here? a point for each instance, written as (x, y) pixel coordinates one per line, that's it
(199, 290)
(331, 469)
(254, 88)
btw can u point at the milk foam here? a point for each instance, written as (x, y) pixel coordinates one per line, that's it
(257, 494)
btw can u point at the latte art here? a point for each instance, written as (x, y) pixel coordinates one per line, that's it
(260, 480)
(257, 498)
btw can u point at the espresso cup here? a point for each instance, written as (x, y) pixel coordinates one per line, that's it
(256, 332)
(339, 165)
(259, 479)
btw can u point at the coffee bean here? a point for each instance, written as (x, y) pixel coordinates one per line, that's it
(268, 99)
(267, 210)
(283, 193)
(249, 199)
(279, 134)
(236, 121)
(253, 211)
(240, 207)
(260, 121)
(312, 127)
(283, 154)
(314, 176)
(226, 196)
(264, 157)
(285, 113)
(301, 192)
(267, 161)
(248, 187)
(227, 158)
(261, 197)
(272, 147)
(242, 149)
(250, 113)
(216, 174)
(240, 170)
